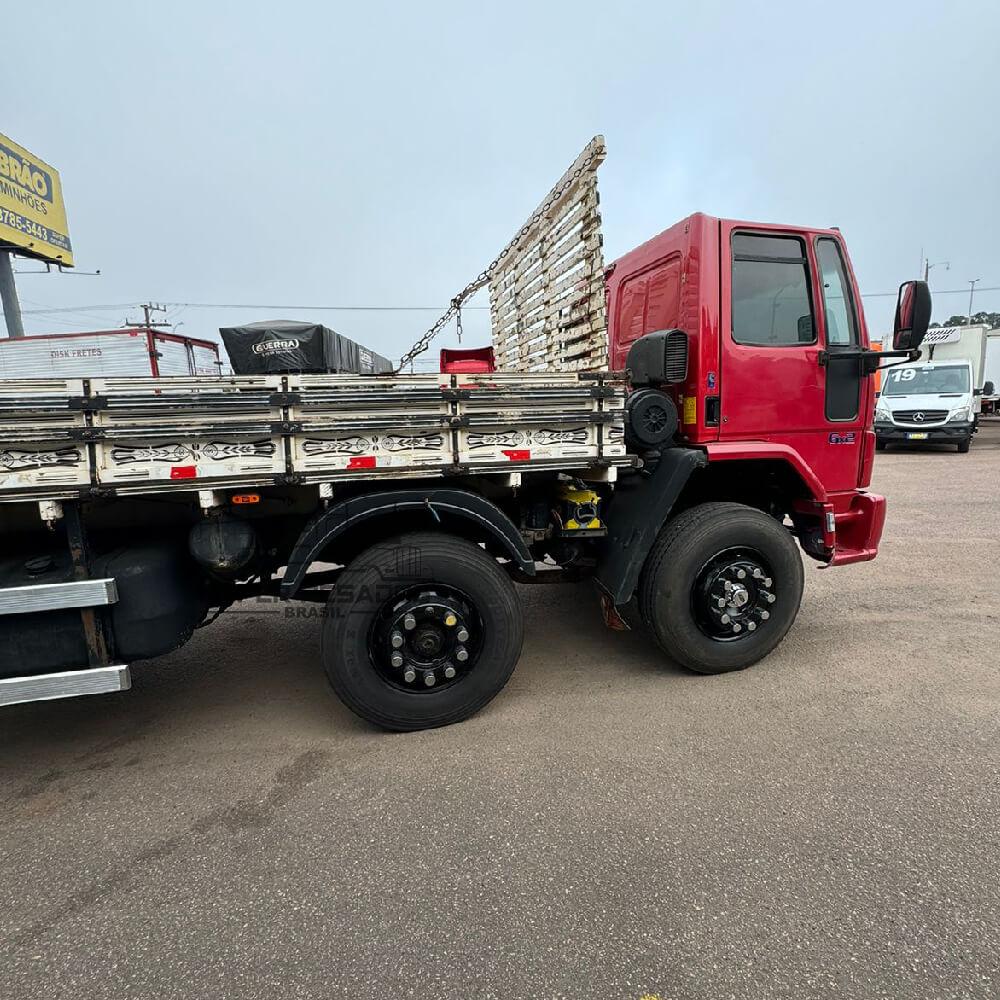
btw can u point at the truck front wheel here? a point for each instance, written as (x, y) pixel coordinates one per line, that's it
(421, 631)
(721, 587)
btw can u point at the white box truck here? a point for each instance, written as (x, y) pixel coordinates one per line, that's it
(935, 400)
(990, 399)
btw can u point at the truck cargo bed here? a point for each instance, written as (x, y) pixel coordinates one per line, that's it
(64, 438)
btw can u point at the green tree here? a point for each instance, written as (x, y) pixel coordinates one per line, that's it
(990, 319)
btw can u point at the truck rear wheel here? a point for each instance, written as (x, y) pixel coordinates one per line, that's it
(721, 587)
(421, 630)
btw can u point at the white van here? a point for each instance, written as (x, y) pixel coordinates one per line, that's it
(929, 401)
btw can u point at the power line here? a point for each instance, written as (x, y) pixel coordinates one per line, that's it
(101, 315)
(945, 291)
(323, 308)
(243, 305)
(114, 307)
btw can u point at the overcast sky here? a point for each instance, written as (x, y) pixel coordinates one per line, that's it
(381, 154)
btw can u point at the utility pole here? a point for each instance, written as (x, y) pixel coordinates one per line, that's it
(928, 265)
(148, 308)
(972, 291)
(8, 296)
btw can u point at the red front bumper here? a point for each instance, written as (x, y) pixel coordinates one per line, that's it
(857, 528)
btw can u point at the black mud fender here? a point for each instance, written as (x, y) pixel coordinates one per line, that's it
(638, 511)
(440, 507)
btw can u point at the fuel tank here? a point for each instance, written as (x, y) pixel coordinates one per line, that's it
(162, 596)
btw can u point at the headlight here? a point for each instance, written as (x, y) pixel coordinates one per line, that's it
(962, 414)
(882, 411)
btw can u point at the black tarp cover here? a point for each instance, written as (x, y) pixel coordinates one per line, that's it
(276, 346)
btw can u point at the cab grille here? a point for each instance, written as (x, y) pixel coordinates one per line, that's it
(926, 417)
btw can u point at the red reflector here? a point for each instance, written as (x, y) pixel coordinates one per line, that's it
(184, 472)
(362, 462)
(245, 498)
(517, 454)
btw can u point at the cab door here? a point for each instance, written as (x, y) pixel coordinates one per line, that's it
(787, 311)
(844, 372)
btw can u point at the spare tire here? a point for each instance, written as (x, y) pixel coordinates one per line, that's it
(650, 419)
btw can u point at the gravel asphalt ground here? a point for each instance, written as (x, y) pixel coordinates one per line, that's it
(825, 824)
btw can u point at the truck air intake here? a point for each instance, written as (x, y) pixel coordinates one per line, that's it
(659, 358)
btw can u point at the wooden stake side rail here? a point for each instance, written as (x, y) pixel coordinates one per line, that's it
(66, 438)
(547, 307)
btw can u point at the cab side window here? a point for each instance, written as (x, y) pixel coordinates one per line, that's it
(841, 322)
(772, 305)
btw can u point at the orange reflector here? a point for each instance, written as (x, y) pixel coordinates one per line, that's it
(245, 498)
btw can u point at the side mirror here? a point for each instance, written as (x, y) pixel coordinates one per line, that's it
(913, 315)
(988, 389)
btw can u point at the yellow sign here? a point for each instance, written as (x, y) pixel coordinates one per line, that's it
(690, 409)
(32, 214)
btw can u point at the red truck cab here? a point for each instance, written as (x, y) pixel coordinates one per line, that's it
(777, 373)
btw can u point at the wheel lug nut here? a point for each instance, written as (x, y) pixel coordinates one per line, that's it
(725, 619)
(450, 620)
(721, 602)
(449, 671)
(461, 654)
(429, 680)
(766, 581)
(768, 597)
(757, 574)
(397, 659)
(751, 626)
(396, 639)
(765, 615)
(462, 635)
(741, 574)
(737, 627)
(410, 676)
(728, 585)
(409, 622)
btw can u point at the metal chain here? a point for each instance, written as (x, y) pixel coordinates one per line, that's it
(484, 276)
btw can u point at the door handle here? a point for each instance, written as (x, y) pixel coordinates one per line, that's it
(869, 359)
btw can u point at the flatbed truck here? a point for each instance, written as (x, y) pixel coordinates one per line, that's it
(729, 431)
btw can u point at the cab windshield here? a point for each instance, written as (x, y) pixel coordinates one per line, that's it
(917, 381)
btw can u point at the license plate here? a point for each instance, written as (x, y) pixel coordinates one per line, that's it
(917, 437)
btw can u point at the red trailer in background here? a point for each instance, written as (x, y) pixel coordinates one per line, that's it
(139, 351)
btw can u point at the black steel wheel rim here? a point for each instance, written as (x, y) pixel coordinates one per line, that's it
(425, 638)
(733, 595)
